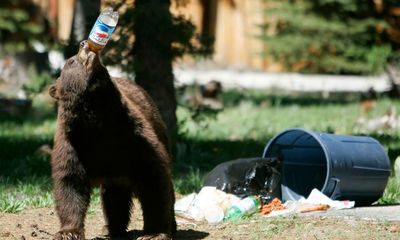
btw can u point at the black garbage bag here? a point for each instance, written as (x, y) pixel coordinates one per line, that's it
(248, 176)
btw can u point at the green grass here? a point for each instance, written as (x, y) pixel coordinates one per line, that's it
(32, 192)
(241, 130)
(24, 170)
(392, 192)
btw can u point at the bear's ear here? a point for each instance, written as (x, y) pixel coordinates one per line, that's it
(53, 91)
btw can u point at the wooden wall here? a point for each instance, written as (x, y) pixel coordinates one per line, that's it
(235, 28)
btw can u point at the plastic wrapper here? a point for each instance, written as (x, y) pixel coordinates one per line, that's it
(209, 204)
(249, 176)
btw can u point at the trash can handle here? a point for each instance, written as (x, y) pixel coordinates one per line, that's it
(336, 194)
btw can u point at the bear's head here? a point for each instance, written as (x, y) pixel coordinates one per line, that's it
(81, 74)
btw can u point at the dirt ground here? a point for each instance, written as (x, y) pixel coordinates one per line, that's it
(43, 223)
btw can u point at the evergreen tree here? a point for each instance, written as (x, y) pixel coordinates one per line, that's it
(327, 36)
(21, 23)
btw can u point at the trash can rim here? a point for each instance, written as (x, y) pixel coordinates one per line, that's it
(316, 137)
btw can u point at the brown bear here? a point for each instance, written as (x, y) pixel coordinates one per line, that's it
(109, 134)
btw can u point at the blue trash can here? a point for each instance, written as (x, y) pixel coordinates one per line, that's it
(342, 167)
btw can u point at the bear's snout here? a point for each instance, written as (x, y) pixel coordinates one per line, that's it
(84, 45)
(85, 56)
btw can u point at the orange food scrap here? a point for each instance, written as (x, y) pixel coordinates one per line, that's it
(313, 207)
(274, 205)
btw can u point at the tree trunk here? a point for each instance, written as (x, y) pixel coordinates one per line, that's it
(153, 56)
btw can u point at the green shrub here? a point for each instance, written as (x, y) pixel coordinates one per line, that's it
(326, 36)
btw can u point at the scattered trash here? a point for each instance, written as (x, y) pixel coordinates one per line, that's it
(183, 205)
(246, 177)
(214, 214)
(209, 204)
(214, 206)
(274, 205)
(316, 201)
(244, 207)
(182, 220)
(317, 197)
(309, 207)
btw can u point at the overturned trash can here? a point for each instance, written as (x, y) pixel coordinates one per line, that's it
(343, 167)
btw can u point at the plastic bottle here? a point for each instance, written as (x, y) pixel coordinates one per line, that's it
(102, 29)
(246, 206)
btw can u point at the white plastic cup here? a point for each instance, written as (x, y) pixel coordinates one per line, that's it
(214, 214)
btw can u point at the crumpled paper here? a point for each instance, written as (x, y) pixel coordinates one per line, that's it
(315, 198)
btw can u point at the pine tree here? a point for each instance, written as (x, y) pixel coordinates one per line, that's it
(21, 23)
(327, 36)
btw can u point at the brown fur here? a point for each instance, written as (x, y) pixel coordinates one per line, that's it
(109, 133)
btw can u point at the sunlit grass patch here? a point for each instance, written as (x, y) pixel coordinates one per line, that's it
(32, 192)
(392, 192)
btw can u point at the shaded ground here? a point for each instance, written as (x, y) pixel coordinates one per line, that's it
(42, 223)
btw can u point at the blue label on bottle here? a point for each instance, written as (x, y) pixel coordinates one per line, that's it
(101, 32)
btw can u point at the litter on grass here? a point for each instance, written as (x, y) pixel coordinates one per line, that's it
(212, 205)
(209, 204)
(316, 201)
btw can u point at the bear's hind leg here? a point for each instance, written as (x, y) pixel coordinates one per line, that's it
(117, 202)
(157, 198)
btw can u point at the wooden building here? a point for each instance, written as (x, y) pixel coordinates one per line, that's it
(235, 25)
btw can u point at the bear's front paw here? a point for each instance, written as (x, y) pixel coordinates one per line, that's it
(159, 236)
(70, 235)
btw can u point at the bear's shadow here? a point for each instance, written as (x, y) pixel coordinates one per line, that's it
(188, 234)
